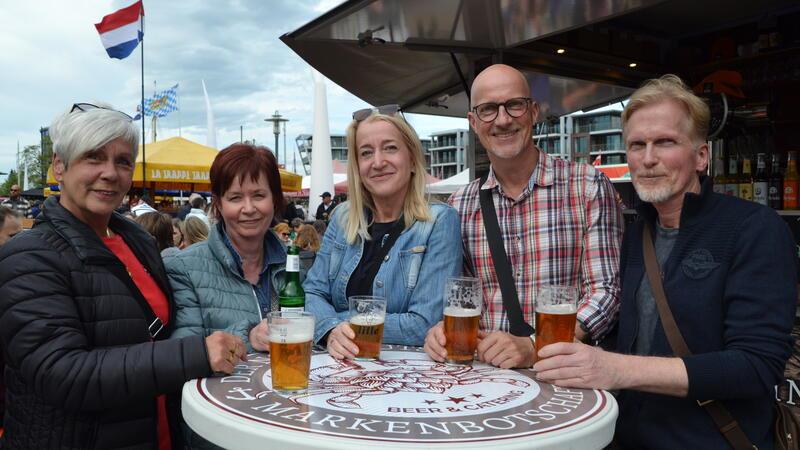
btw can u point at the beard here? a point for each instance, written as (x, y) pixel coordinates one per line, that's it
(653, 194)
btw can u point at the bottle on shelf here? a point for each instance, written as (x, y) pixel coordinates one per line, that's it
(746, 180)
(732, 186)
(292, 297)
(761, 180)
(790, 182)
(775, 192)
(720, 180)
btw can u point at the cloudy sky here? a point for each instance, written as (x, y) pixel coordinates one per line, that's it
(52, 57)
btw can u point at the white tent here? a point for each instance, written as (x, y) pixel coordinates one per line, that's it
(449, 185)
(337, 178)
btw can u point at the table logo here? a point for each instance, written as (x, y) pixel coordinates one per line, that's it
(404, 397)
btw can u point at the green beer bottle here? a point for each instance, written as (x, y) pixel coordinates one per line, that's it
(292, 297)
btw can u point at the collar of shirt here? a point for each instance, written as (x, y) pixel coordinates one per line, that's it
(542, 175)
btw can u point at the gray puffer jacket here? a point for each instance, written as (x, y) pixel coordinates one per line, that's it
(211, 295)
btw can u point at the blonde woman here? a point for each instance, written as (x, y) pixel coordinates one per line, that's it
(282, 230)
(387, 240)
(194, 231)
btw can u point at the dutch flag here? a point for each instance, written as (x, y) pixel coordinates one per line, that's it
(122, 30)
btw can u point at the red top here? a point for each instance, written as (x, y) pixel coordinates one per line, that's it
(158, 302)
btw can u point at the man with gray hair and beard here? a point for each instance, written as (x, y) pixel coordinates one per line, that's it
(728, 271)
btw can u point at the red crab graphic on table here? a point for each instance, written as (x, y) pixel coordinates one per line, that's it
(352, 380)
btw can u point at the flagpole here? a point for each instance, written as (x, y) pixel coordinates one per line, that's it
(144, 136)
(178, 99)
(153, 127)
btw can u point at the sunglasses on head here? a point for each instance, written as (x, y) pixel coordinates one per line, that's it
(386, 110)
(83, 107)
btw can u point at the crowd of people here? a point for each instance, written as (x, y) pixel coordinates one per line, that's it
(103, 318)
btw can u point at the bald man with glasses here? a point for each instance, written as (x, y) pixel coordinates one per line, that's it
(559, 224)
(17, 203)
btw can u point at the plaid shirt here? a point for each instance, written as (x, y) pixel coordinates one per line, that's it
(565, 228)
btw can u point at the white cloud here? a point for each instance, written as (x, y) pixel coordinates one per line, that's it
(324, 6)
(52, 57)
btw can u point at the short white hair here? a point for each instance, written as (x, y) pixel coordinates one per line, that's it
(76, 132)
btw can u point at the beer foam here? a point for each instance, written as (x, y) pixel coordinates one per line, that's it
(301, 330)
(557, 309)
(293, 337)
(455, 311)
(365, 320)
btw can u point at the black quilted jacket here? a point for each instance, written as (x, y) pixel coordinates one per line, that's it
(81, 369)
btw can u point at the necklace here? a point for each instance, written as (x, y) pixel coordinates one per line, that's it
(108, 232)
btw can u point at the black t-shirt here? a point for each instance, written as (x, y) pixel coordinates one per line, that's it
(383, 236)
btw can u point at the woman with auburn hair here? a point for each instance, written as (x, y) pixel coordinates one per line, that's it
(387, 240)
(308, 241)
(307, 238)
(86, 307)
(229, 281)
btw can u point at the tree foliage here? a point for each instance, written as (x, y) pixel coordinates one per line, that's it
(11, 180)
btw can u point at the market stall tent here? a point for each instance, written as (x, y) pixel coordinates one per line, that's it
(449, 185)
(180, 164)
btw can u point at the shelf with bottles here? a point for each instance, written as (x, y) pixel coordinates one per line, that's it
(768, 38)
(781, 56)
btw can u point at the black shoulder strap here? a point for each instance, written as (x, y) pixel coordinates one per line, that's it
(722, 418)
(502, 267)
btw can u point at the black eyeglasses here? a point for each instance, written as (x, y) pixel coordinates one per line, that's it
(386, 110)
(515, 107)
(83, 107)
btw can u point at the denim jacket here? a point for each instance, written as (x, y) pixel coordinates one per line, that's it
(411, 277)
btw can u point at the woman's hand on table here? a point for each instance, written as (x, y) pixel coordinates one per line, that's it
(435, 341)
(340, 342)
(259, 336)
(224, 351)
(505, 350)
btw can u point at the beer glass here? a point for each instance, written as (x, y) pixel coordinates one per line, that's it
(556, 309)
(290, 336)
(462, 313)
(367, 314)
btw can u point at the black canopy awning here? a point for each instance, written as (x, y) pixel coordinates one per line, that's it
(420, 53)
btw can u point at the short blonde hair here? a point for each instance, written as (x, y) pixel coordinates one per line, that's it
(194, 230)
(280, 228)
(415, 206)
(670, 87)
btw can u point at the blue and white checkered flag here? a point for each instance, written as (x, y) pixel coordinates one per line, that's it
(162, 103)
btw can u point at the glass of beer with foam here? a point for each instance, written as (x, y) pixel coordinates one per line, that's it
(367, 314)
(556, 309)
(462, 313)
(290, 339)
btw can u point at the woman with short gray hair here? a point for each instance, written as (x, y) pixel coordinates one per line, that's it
(86, 306)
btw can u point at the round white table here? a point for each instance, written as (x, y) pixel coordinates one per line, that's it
(404, 400)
